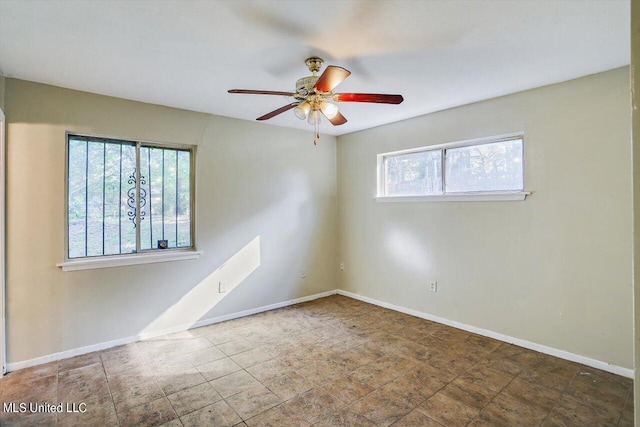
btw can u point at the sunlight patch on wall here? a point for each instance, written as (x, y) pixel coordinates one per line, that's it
(210, 291)
(405, 249)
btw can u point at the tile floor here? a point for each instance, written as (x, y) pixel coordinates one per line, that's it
(329, 362)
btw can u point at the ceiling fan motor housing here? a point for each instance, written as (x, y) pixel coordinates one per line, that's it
(304, 86)
(314, 63)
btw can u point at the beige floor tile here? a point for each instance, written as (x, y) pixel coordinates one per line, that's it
(449, 366)
(128, 378)
(549, 380)
(152, 413)
(409, 389)
(534, 394)
(322, 372)
(234, 383)
(498, 363)
(512, 411)
(483, 420)
(270, 369)
(448, 411)
(222, 336)
(136, 395)
(375, 376)
(356, 357)
(219, 414)
(41, 390)
(89, 372)
(427, 378)
(238, 346)
(252, 357)
(310, 406)
(289, 386)
(172, 381)
(416, 418)
(487, 378)
(379, 410)
(79, 361)
(470, 394)
(218, 368)
(626, 420)
(37, 372)
(99, 412)
(205, 355)
(344, 418)
(275, 417)
(193, 398)
(347, 389)
(83, 389)
(252, 402)
(27, 420)
(121, 359)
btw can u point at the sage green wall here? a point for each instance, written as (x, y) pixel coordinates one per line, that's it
(555, 269)
(263, 188)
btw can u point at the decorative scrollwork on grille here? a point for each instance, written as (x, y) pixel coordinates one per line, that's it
(131, 198)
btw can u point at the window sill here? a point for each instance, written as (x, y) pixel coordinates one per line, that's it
(504, 196)
(122, 260)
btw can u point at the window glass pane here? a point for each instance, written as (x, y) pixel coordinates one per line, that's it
(170, 211)
(98, 187)
(147, 184)
(77, 185)
(167, 189)
(95, 175)
(413, 174)
(184, 199)
(127, 193)
(487, 167)
(151, 158)
(115, 201)
(102, 204)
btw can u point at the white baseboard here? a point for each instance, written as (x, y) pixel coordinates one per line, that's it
(618, 370)
(179, 328)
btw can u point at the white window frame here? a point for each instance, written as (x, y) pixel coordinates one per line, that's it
(476, 196)
(140, 257)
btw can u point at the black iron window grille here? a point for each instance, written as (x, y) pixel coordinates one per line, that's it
(127, 197)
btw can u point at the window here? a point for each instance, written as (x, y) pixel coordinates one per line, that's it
(481, 167)
(418, 173)
(127, 197)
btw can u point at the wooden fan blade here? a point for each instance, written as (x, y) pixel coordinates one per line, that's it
(331, 78)
(261, 92)
(368, 97)
(337, 120)
(278, 111)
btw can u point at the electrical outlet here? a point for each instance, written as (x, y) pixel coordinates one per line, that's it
(342, 266)
(303, 274)
(433, 286)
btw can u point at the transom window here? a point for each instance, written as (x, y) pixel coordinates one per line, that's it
(127, 197)
(488, 166)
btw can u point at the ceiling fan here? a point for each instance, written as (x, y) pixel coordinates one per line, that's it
(314, 96)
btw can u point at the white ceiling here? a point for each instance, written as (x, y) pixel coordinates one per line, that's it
(186, 54)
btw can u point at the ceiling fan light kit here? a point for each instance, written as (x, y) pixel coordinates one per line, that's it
(302, 110)
(315, 97)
